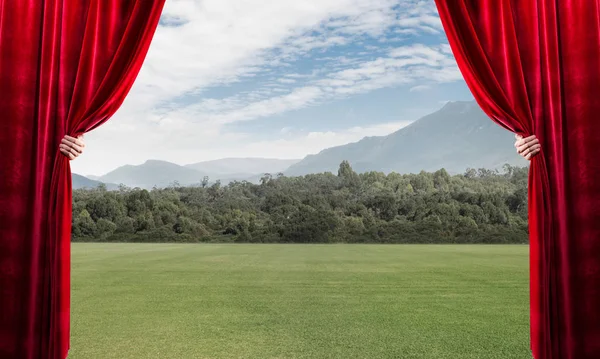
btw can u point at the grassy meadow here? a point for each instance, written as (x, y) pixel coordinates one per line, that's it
(299, 301)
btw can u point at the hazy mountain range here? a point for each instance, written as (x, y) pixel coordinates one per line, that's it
(162, 173)
(456, 137)
(80, 181)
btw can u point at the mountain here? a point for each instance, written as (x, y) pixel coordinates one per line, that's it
(162, 173)
(242, 167)
(456, 137)
(153, 173)
(80, 182)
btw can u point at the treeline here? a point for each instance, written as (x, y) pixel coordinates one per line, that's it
(479, 206)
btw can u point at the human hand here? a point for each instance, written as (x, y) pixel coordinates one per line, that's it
(527, 147)
(72, 147)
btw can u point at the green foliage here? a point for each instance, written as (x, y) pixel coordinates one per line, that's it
(84, 226)
(480, 206)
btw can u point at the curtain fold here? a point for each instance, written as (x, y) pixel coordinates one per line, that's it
(534, 68)
(65, 68)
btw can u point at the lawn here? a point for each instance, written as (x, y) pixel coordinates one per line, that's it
(299, 301)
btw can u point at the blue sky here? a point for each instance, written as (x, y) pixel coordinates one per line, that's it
(277, 79)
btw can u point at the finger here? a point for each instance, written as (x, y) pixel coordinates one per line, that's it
(69, 138)
(72, 140)
(528, 149)
(79, 141)
(74, 146)
(67, 142)
(526, 141)
(532, 155)
(536, 146)
(69, 149)
(526, 154)
(68, 154)
(73, 152)
(522, 148)
(518, 139)
(531, 150)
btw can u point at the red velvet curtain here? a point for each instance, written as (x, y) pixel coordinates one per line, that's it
(534, 68)
(65, 68)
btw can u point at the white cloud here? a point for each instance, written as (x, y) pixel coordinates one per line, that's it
(419, 88)
(208, 145)
(300, 144)
(213, 43)
(405, 65)
(287, 81)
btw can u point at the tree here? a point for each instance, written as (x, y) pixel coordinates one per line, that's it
(347, 174)
(104, 229)
(441, 180)
(477, 207)
(83, 225)
(470, 173)
(125, 225)
(265, 179)
(308, 225)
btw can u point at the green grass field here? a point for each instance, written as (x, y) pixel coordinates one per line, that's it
(172, 301)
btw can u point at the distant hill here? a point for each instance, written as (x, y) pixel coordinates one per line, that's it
(162, 173)
(456, 137)
(242, 167)
(153, 173)
(80, 182)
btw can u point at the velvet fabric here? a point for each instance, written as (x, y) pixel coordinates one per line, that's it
(65, 68)
(534, 68)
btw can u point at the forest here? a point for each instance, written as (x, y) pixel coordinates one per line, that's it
(479, 206)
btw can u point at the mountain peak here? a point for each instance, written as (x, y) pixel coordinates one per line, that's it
(456, 137)
(164, 173)
(159, 163)
(460, 106)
